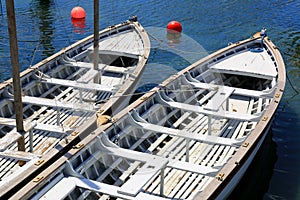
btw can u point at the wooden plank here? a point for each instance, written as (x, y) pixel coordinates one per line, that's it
(52, 128)
(178, 178)
(70, 183)
(237, 91)
(76, 84)
(137, 163)
(218, 155)
(193, 168)
(103, 67)
(36, 126)
(137, 181)
(19, 155)
(51, 185)
(88, 76)
(185, 181)
(8, 140)
(56, 192)
(218, 99)
(153, 164)
(56, 103)
(177, 147)
(144, 174)
(199, 109)
(247, 63)
(186, 134)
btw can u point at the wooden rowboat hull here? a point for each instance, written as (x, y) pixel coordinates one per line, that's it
(191, 137)
(60, 94)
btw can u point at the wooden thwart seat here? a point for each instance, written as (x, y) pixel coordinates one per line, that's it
(199, 109)
(88, 76)
(18, 155)
(153, 165)
(237, 91)
(104, 67)
(218, 99)
(36, 126)
(79, 85)
(9, 139)
(70, 183)
(56, 103)
(138, 121)
(104, 51)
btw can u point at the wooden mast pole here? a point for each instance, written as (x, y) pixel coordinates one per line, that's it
(97, 79)
(11, 19)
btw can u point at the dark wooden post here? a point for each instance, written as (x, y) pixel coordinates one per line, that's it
(97, 79)
(11, 19)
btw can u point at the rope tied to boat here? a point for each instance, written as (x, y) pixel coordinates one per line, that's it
(291, 84)
(103, 119)
(263, 34)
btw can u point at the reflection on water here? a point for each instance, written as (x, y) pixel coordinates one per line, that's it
(255, 182)
(79, 25)
(286, 129)
(173, 38)
(45, 25)
(43, 11)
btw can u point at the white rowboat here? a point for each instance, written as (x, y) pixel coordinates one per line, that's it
(60, 94)
(191, 137)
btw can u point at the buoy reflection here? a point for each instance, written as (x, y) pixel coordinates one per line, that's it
(173, 38)
(78, 25)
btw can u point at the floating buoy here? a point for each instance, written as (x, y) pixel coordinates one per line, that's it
(78, 13)
(174, 27)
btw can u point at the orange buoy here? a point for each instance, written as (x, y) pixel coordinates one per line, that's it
(78, 13)
(174, 27)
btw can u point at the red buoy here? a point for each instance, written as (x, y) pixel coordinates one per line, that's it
(174, 27)
(78, 13)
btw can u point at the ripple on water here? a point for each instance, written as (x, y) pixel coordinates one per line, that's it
(45, 27)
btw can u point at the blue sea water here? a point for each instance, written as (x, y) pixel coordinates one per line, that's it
(45, 26)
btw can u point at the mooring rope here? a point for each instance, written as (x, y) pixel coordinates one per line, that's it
(291, 84)
(34, 54)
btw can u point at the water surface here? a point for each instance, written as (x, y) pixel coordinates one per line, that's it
(44, 27)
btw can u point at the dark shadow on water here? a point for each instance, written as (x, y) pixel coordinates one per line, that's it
(255, 182)
(43, 11)
(141, 90)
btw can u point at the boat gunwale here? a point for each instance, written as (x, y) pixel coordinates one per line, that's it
(234, 164)
(229, 169)
(72, 139)
(63, 51)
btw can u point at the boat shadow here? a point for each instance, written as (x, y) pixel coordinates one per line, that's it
(255, 182)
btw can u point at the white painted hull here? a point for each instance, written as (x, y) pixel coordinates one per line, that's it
(239, 175)
(192, 137)
(61, 97)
